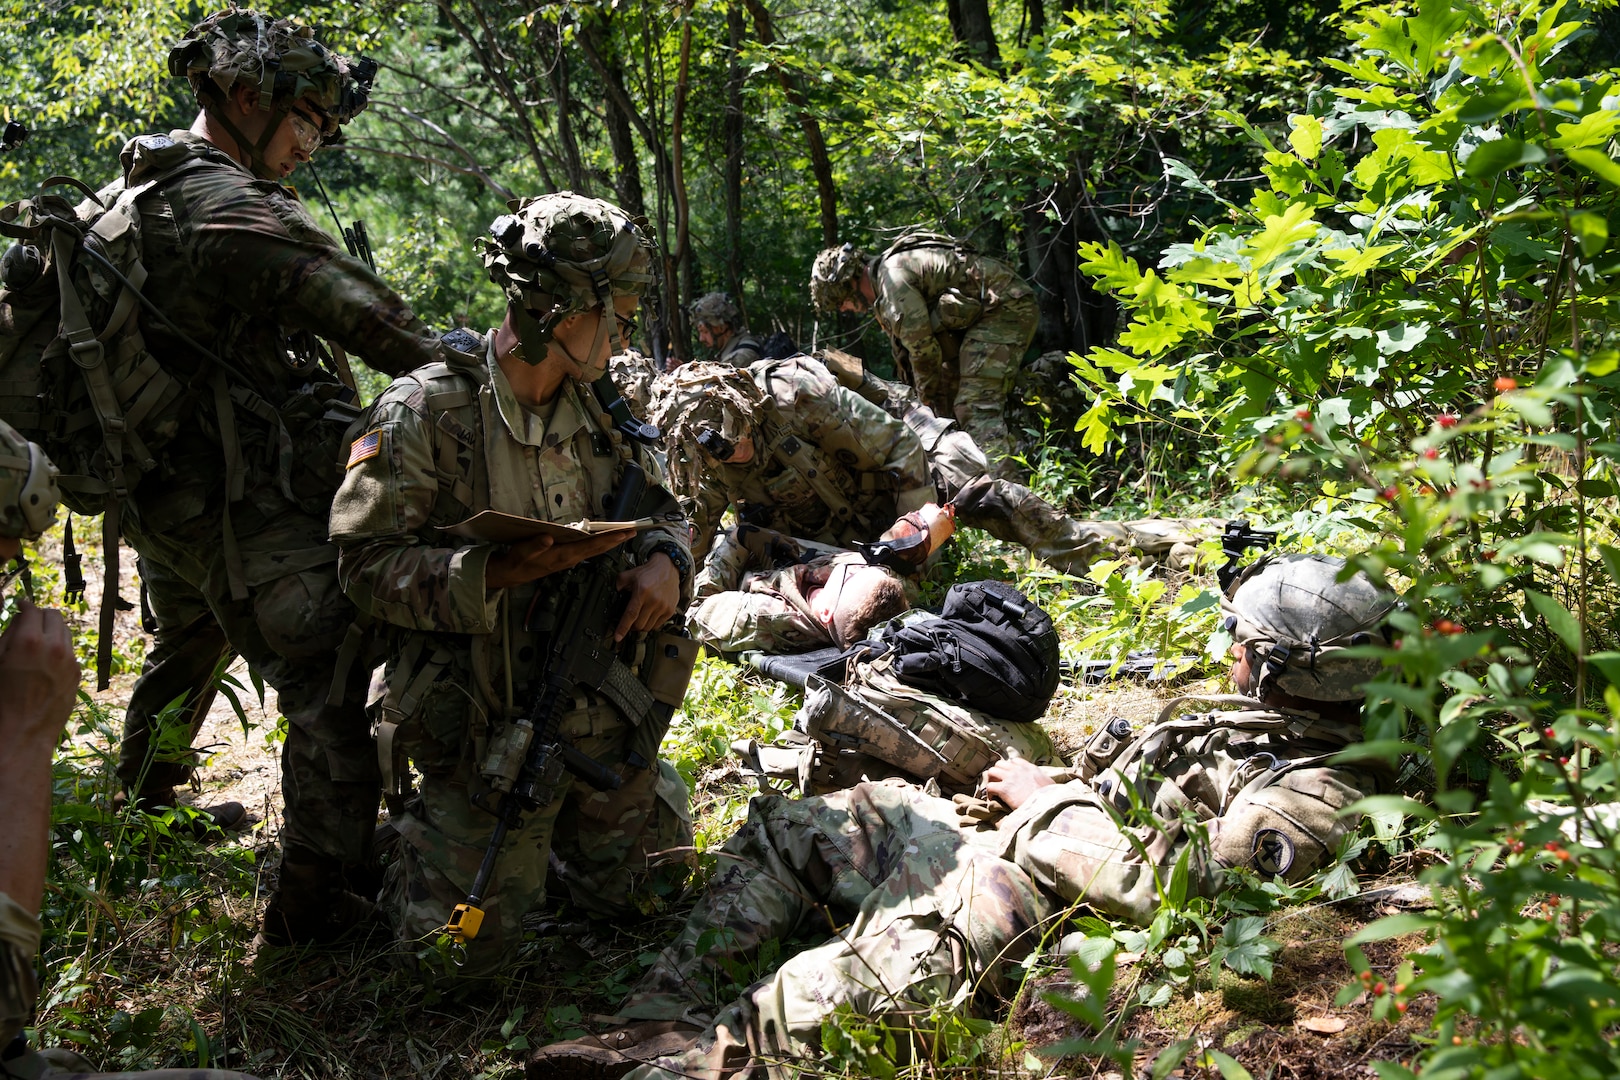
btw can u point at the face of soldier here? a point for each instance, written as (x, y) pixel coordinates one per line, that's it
(706, 337)
(850, 584)
(575, 335)
(297, 135)
(863, 296)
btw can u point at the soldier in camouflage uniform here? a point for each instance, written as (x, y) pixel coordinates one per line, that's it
(938, 897)
(634, 373)
(720, 326)
(791, 449)
(41, 677)
(959, 323)
(761, 590)
(247, 457)
(513, 423)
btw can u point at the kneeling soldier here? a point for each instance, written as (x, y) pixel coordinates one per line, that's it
(487, 666)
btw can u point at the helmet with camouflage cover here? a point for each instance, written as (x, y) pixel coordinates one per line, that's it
(282, 59)
(717, 310)
(561, 254)
(703, 408)
(1294, 619)
(28, 493)
(835, 276)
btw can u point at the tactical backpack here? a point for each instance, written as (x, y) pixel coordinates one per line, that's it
(991, 648)
(76, 376)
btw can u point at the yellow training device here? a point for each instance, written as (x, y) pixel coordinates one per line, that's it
(464, 923)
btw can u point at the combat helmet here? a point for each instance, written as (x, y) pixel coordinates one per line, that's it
(28, 492)
(716, 309)
(834, 275)
(1295, 619)
(280, 57)
(704, 409)
(559, 254)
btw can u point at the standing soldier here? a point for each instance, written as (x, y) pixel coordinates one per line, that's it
(959, 323)
(720, 326)
(515, 423)
(233, 437)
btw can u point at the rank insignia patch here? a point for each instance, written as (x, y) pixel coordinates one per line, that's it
(364, 448)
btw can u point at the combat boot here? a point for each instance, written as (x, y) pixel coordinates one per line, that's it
(312, 904)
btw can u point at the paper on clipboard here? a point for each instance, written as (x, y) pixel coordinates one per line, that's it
(494, 527)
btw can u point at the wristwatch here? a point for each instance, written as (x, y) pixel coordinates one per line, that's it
(682, 561)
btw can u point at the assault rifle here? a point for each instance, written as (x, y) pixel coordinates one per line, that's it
(526, 765)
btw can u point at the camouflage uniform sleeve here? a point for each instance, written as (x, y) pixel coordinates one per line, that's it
(705, 507)
(267, 255)
(739, 620)
(724, 567)
(393, 563)
(1066, 840)
(19, 944)
(855, 430)
(902, 311)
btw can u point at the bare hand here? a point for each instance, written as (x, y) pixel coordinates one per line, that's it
(1014, 780)
(655, 593)
(41, 677)
(542, 556)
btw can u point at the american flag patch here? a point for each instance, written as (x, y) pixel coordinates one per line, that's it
(364, 448)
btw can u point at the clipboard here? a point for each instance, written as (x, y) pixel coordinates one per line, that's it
(495, 527)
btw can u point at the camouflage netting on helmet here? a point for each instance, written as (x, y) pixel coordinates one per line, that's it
(700, 397)
(1296, 619)
(559, 254)
(833, 277)
(28, 493)
(716, 309)
(279, 57)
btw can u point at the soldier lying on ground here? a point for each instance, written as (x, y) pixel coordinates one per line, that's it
(1008, 510)
(41, 679)
(762, 590)
(940, 898)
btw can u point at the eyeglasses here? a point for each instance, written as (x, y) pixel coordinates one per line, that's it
(627, 325)
(306, 130)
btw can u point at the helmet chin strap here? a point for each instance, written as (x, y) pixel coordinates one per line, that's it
(254, 150)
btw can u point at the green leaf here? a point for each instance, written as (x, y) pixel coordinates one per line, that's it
(1170, 1057)
(1559, 619)
(1491, 158)
(1401, 338)
(1247, 950)
(1282, 233)
(1483, 108)
(1305, 136)
(1230, 1069)
(1392, 926)
(1591, 230)
(1596, 161)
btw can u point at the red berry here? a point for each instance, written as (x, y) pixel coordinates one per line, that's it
(1400, 1006)
(1302, 414)
(1389, 493)
(1504, 383)
(1400, 988)
(1553, 845)
(1366, 976)
(1430, 454)
(1307, 427)
(1447, 420)
(1563, 856)
(1563, 761)
(1379, 987)
(1549, 732)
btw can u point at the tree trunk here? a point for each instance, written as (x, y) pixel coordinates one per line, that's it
(1043, 246)
(975, 34)
(731, 129)
(557, 76)
(627, 163)
(682, 254)
(820, 162)
(1036, 12)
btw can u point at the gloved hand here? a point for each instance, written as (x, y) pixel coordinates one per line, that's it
(973, 811)
(767, 547)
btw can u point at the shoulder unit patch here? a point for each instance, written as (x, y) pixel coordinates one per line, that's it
(365, 447)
